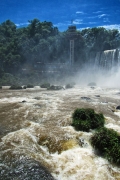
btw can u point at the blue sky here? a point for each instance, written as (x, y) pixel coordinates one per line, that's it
(83, 13)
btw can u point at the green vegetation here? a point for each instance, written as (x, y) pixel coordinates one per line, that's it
(101, 39)
(8, 80)
(27, 49)
(86, 119)
(107, 142)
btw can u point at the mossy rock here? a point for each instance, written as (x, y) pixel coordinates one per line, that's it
(45, 85)
(13, 87)
(0, 87)
(68, 86)
(54, 87)
(86, 119)
(24, 87)
(107, 143)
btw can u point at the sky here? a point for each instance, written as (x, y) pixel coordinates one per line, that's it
(82, 13)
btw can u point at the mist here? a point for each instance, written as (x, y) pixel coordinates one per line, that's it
(101, 77)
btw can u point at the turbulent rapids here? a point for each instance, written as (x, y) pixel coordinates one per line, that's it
(37, 140)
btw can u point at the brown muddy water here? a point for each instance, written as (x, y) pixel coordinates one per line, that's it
(36, 133)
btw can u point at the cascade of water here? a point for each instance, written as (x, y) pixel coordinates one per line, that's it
(109, 58)
(97, 60)
(106, 59)
(118, 57)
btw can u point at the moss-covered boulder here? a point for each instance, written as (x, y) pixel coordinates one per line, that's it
(86, 119)
(107, 143)
(45, 85)
(54, 87)
(13, 87)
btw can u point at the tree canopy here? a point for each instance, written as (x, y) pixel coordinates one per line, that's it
(42, 42)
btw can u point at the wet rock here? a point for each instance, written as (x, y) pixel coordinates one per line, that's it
(118, 107)
(37, 98)
(104, 102)
(24, 101)
(37, 105)
(97, 95)
(29, 86)
(45, 85)
(25, 169)
(54, 87)
(86, 98)
(15, 87)
(68, 86)
(92, 87)
(113, 110)
(82, 142)
(24, 87)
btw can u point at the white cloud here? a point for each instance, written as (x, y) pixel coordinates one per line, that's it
(97, 12)
(80, 29)
(92, 22)
(92, 17)
(22, 24)
(102, 15)
(60, 24)
(68, 23)
(77, 21)
(113, 26)
(109, 27)
(79, 12)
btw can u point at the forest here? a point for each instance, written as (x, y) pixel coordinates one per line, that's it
(26, 49)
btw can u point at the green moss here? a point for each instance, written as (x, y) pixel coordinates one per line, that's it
(86, 119)
(107, 142)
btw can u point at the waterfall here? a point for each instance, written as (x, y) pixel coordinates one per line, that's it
(109, 58)
(119, 57)
(106, 59)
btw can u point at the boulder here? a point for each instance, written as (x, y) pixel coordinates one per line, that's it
(118, 107)
(55, 87)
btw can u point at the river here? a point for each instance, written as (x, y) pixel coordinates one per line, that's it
(35, 128)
